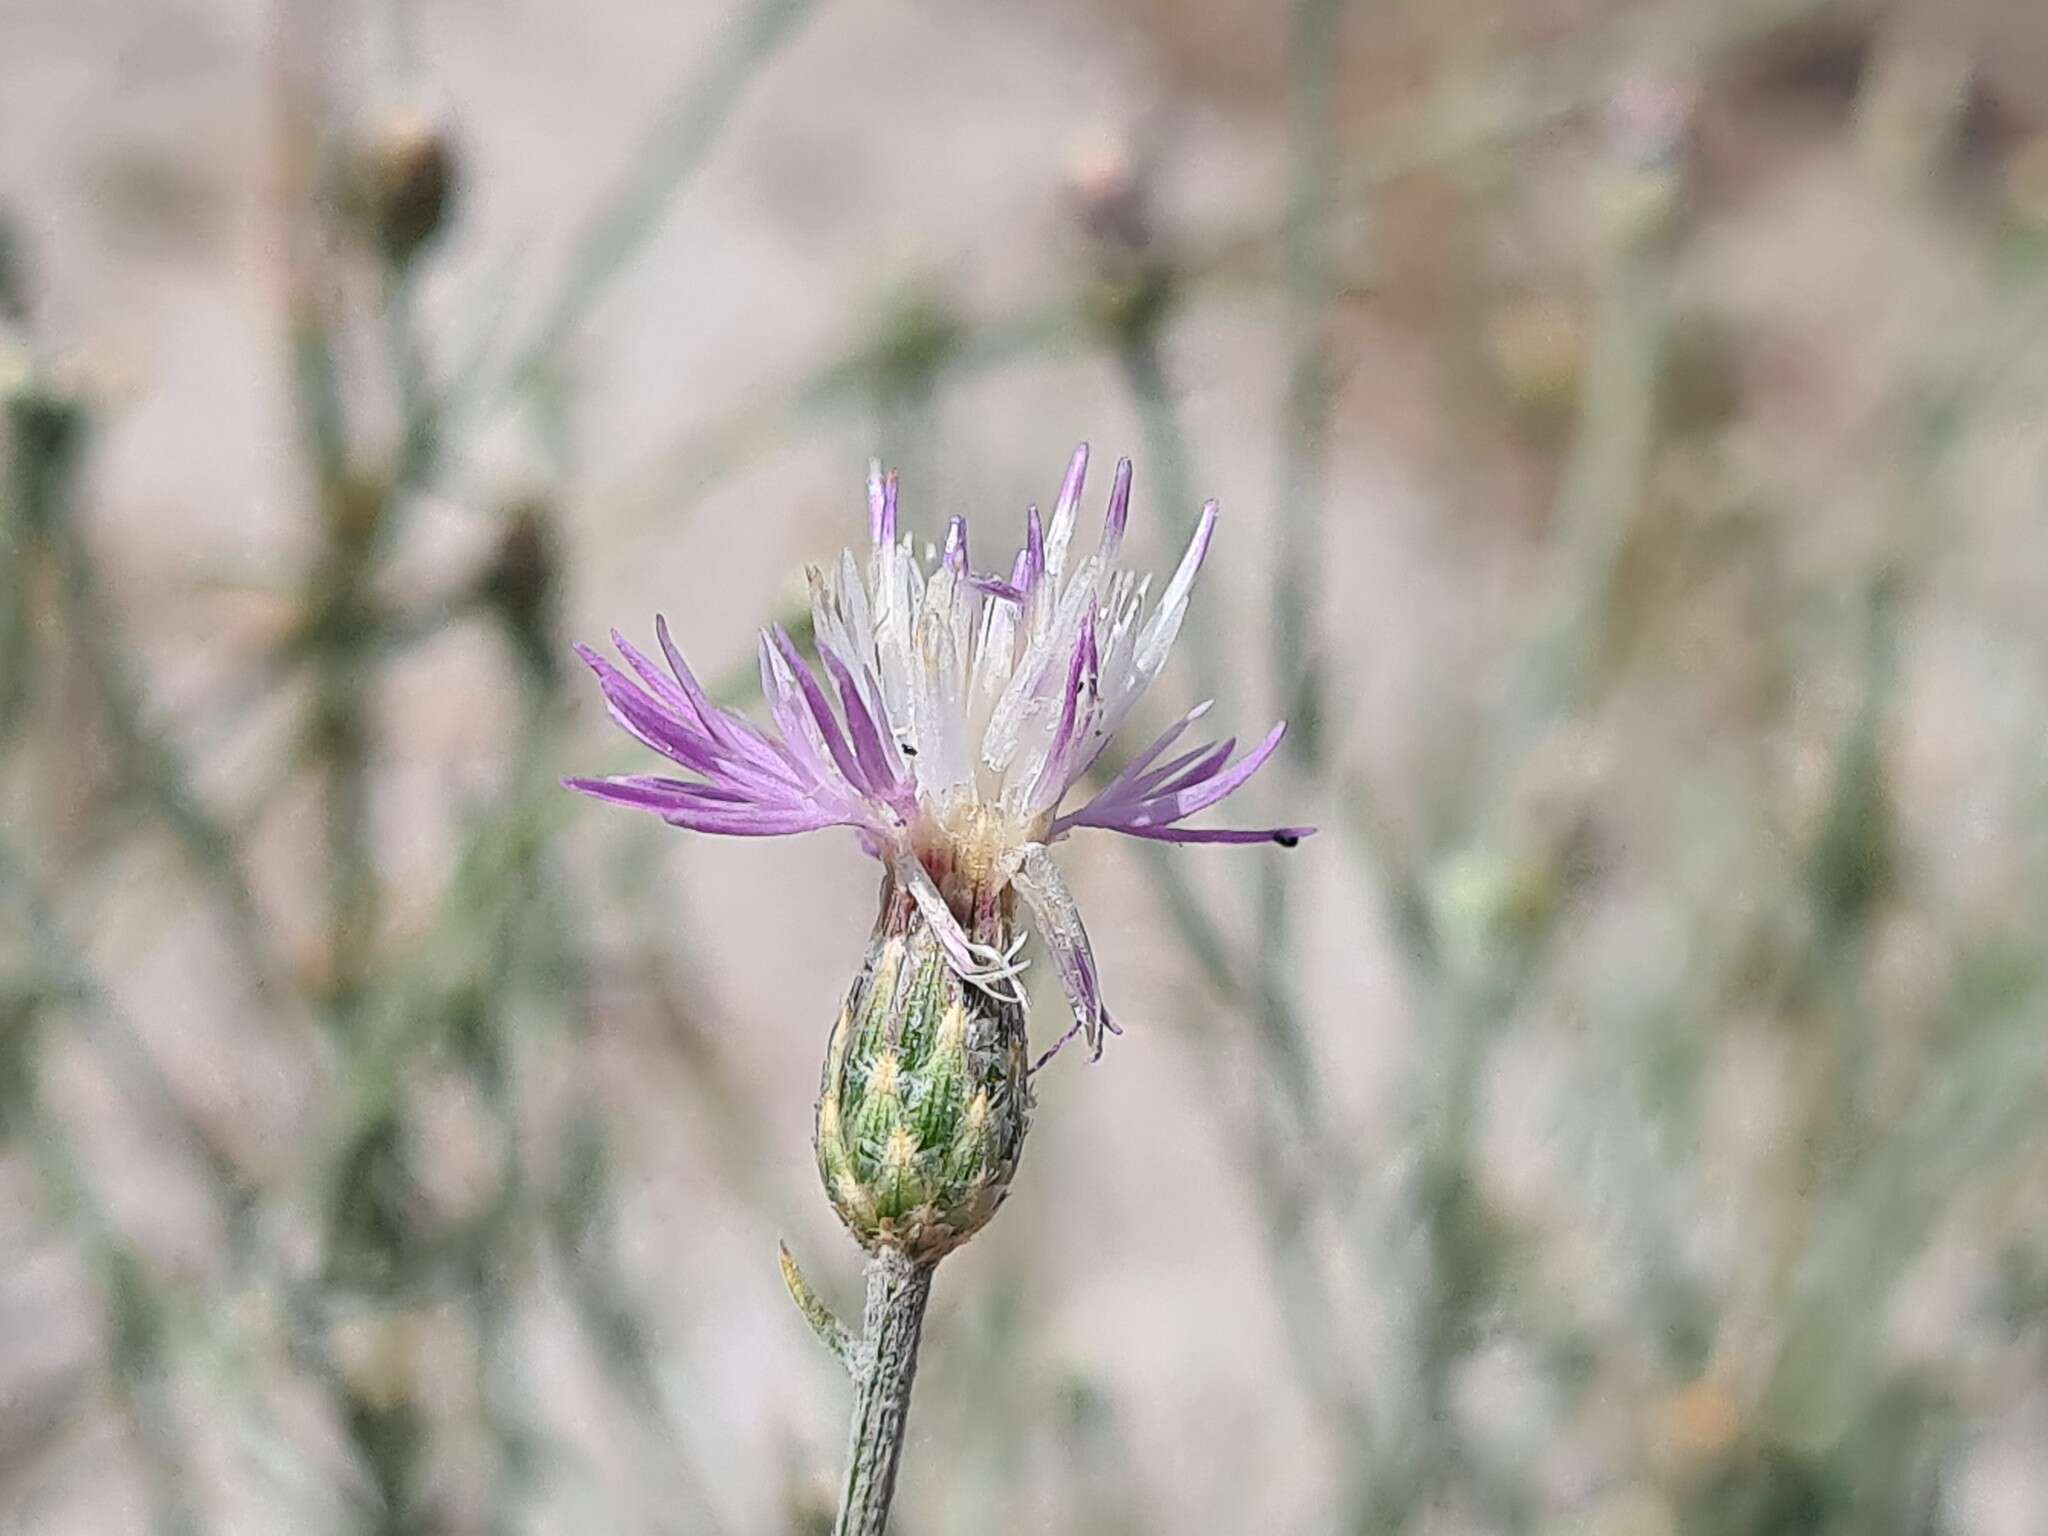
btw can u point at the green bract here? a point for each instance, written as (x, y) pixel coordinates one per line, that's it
(925, 1100)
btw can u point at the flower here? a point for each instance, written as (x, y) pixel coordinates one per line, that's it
(956, 711)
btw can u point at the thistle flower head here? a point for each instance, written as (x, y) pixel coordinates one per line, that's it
(953, 711)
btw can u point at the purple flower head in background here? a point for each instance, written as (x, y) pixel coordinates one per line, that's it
(955, 711)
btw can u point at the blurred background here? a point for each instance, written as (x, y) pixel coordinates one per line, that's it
(1629, 1116)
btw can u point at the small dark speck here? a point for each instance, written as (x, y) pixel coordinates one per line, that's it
(909, 750)
(1286, 839)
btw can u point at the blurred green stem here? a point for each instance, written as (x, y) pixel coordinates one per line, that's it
(1602, 494)
(1305, 431)
(1285, 1171)
(676, 147)
(64, 973)
(1305, 444)
(134, 1322)
(341, 740)
(1473, 112)
(405, 359)
(1466, 116)
(17, 629)
(1270, 1008)
(48, 439)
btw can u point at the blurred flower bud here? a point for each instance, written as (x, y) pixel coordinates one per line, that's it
(1537, 350)
(407, 174)
(521, 584)
(925, 1102)
(1649, 121)
(46, 421)
(1701, 1422)
(375, 1355)
(1108, 188)
(1818, 63)
(354, 504)
(1648, 132)
(43, 429)
(1490, 904)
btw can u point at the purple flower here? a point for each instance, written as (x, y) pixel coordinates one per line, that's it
(953, 712)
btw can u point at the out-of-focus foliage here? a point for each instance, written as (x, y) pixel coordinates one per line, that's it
(1629, 1116)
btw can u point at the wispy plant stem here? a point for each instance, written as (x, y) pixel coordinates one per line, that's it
(884, 1365)
(1303, 450)
(674, 149)
(1277, 1163)
(153, 772)
(1306, 420)
(135, 1326)
(343, 738)
(1601, 496)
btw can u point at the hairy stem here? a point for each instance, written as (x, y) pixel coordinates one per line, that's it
(885, 1366)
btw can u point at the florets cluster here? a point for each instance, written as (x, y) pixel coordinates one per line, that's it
(952, 712)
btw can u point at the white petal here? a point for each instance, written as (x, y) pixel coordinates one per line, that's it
(979, 965)
(1159, 634)
(1060, 929)
(1059, 532)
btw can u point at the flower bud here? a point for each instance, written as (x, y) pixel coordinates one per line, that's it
(1108, 186)
(1109, 191)
(521, 585)
(1538, 351)
(409, 173)
(1650, 138)
(925, 1099)
(377, 1357)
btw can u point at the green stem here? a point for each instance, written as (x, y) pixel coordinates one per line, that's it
(885, 1366)
(342, 731)
(675, 148)
(151, 769)
(1249, 983)
(63, 971)
(1304, 446)
(1304, 449)
(134, 1322)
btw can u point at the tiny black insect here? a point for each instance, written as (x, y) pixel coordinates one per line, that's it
(1286, 839)
(909, 750)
